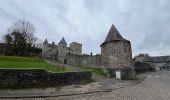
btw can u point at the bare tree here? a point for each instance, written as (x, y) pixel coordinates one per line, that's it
(25, 28)
(22, 35)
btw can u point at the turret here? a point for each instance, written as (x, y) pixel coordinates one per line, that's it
(62, 50)
(115, 52)
(44, 49)
(45, 42)
(76, 47)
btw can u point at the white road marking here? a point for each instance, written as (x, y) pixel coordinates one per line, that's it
(150, 76)
(157, 76)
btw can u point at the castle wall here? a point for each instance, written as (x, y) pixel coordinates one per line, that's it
(116, 54)
(73, 59)
(91, 60)
(97, 60)
(49, 51)
(76, 47)
(87, 60)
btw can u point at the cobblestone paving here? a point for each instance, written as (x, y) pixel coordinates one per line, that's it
(155, 87)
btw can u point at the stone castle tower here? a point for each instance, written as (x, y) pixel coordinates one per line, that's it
(45, 43)
(115, 51)
(76, 48)
(59, 52)
(62, 50)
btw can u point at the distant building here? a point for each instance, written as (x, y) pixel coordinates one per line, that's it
(143, 63)
(159, 62)
(143, 58)
(60, 51)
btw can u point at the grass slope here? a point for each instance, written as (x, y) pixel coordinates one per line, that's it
(94, 70)
(27, 63)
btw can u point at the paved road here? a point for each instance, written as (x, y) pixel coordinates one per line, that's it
(155, 87)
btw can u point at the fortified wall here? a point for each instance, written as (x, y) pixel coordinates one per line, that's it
(88, 60)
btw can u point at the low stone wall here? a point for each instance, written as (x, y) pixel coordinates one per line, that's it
(84, 60)
(25, 78)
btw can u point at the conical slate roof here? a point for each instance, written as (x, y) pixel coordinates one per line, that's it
(113, 35)
(46, 41)
(63, 41)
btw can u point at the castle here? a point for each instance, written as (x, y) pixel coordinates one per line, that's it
(115, 53)
(59, 52)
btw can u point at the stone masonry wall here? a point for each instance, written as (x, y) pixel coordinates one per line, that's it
(73, 59)
(88, 60)
(62, 51)
(25, 78)
(116, 54)
(76, 47)
(50, 51)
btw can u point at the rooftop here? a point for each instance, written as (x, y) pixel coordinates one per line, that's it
(113, 35)
(63, 41)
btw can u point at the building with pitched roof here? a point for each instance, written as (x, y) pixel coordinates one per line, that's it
(159, 62)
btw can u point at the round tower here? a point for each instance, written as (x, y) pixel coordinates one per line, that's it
(44, 48)
(62, 51)
(115, 51)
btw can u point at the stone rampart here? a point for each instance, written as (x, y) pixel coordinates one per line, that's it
(88, 60)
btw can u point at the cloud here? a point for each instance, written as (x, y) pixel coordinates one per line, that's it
(145, 23)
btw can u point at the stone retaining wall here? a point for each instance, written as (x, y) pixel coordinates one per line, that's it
(25, 78)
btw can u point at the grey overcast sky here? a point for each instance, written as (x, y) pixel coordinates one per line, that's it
(146, 23)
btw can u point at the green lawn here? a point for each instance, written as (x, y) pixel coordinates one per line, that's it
(27, 63)
(94, 70)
